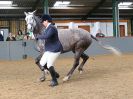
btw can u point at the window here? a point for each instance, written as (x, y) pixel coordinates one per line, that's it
(85, 27)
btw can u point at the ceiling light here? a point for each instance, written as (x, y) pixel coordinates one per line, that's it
(6, 2)
(61, 3)
(125, 3)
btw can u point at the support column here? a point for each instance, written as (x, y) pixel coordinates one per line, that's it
(46, 9)
(115, 18)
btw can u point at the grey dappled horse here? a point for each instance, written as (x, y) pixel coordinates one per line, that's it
(75, 40)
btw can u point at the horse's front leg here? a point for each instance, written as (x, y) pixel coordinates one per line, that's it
(42, 68)
(42, 77)
(76, 63)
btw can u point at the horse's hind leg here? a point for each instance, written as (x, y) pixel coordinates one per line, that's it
(76, 63)
(85, 58)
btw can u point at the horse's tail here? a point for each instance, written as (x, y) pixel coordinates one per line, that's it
(108, 47)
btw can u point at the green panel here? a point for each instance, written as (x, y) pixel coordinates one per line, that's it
(115, 18)
(46, 9)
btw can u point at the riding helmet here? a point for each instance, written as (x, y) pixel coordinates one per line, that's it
(46, 17)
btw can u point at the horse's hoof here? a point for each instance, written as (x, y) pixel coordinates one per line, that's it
(66, 78)
(41, 79)
(81, 71)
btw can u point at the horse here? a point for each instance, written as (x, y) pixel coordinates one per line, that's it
(76, 40)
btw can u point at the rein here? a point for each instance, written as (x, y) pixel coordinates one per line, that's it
(39, 44)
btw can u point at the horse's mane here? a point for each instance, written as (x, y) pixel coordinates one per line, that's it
(37, 18)
(39, 26)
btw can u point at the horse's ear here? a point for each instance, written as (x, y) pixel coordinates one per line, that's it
(26, 13)
(34, 12)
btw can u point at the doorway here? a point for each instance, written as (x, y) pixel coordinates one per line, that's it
(122, 30)
(4, 32)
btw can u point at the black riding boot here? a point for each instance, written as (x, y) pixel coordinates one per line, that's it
(57, 75)
(54, 81)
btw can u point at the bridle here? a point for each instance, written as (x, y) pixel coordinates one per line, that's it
(32, 21)
(31, 24)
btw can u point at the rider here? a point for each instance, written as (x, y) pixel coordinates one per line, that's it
(52, 49)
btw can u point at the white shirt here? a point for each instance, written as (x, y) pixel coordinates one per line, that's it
(48, 25)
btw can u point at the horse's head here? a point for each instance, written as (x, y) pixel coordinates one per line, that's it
(30, 21)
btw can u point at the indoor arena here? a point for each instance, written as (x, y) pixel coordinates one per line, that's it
(66, 49)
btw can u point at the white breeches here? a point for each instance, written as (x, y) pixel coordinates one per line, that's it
(49, 58)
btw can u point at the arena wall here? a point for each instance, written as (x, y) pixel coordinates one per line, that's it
(16, 50)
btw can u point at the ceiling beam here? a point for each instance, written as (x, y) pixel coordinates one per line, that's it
(69, 8)
(14, 8)
(67, 14)
(111, 8)
(55, 14)
(106, 14)
(96, 7)
(3, 15)
(61, 8)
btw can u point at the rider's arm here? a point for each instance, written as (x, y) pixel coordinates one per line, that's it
(47, 34)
